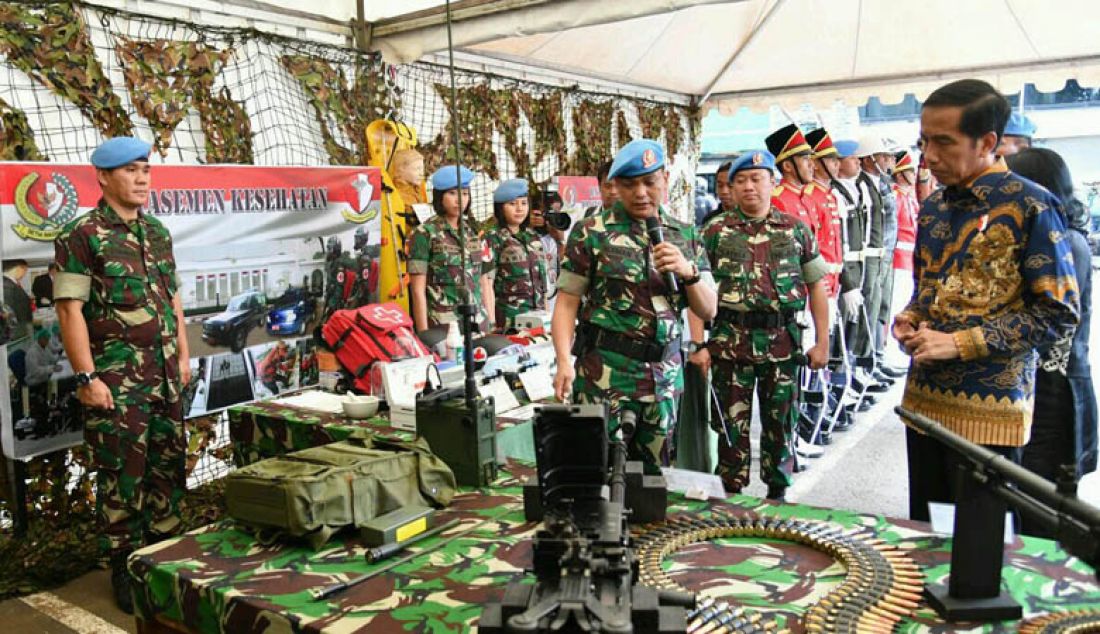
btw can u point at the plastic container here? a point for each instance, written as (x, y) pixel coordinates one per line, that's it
(454, 342)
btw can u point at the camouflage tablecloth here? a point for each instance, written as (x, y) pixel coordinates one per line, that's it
(218, 579)
(264, 429)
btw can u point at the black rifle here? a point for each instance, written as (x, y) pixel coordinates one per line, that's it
(988, 484)
(584, 563)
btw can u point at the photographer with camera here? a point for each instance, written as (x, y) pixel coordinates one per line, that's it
(552, 225)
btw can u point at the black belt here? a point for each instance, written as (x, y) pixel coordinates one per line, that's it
(603, 339)
(754, 319)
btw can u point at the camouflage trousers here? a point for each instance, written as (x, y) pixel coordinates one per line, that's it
(778, 392)
(139, 454)
(655, 417)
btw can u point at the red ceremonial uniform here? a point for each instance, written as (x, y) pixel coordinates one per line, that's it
(908, 208)
(828, 234)
(790, 200)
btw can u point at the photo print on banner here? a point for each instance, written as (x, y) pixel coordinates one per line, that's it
(284, 224)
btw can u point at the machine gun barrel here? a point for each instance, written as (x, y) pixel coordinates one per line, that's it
(1074, 523)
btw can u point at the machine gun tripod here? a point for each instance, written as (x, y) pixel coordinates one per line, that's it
(584, 561)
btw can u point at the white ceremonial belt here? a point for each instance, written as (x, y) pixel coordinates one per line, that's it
(872, 252)
(853, 256)
(905, 246)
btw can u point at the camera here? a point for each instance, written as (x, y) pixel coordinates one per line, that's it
(558, 220)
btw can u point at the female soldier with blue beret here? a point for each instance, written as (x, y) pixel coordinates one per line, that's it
(518, 266)
(436, 274)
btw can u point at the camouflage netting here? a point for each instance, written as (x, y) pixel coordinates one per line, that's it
(351, 106)
(16, 137)
(60, 542)
(164, 78)
(75, 74)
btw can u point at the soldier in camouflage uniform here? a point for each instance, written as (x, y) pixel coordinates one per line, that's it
(123, 330)
(365, 289)
(438, 283)
(518, 267)
(628, 343)
(763, 260)
(340, 276)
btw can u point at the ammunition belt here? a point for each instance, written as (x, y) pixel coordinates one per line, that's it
(596, 338)
(1063, 623)
(882, 585)
(754, 319)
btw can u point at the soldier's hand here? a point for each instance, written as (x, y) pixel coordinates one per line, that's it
(928, 346)
(563, 382)
(96, 395)
(667, 258)
(701, 358)
(185, 371)
(818, 356)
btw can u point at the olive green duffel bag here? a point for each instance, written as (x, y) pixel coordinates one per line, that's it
(315, 492)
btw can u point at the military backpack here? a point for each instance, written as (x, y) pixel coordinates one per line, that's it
(315, 492)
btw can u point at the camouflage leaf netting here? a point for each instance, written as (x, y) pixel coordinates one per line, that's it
(348, 107)
(50, 43)
(166, 77)
(16, 137)
(77, 73)
(592, 131)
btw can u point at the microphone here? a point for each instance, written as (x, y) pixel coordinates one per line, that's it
(657, 236)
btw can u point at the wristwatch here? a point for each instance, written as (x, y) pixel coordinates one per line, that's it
(695, 346)
(84, 378)
(695, 277)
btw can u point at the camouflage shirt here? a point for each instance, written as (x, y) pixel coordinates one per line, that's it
(434, 250)
(518, 271)
(125, 274)
(762, 266)
(608, 262)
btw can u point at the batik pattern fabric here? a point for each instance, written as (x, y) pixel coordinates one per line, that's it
(993, 268)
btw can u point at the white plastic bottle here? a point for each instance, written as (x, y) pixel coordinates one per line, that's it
(454, 342)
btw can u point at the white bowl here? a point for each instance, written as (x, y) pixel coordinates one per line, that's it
(360, 406)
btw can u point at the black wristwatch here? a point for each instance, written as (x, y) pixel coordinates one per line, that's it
(695, 346)
(694, 279)
(84, 378)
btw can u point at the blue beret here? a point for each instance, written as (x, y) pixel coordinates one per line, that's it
(752, 160)
(640, 156)
(510, 190)
(846, 147)
(1019, 125)
(119, 151)
(444, 178)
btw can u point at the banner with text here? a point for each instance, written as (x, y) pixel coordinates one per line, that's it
(250, 245)
(202, 205)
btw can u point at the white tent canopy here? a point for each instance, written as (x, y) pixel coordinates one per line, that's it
(732, 53)
(761, 52)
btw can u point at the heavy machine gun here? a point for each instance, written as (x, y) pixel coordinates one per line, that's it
(989, 484)
(584, 562)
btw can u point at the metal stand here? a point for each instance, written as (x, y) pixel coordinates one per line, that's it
(973, 591)
(17, 472)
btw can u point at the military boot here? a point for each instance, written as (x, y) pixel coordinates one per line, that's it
(777, 493)
(121, 583)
